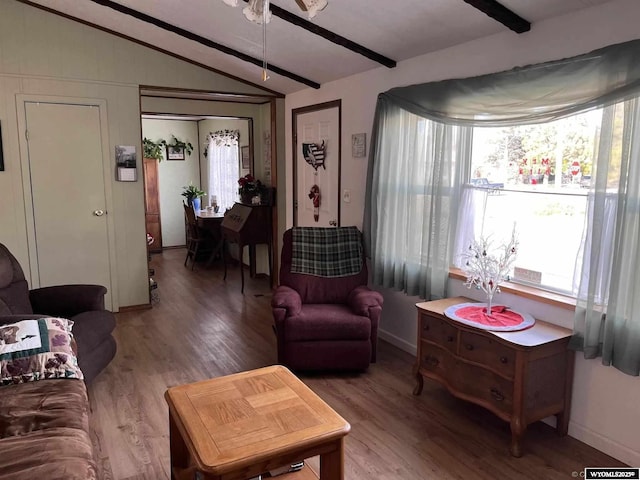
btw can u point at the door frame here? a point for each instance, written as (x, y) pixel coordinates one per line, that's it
(107, 171)
(294, 135)
(189, 94)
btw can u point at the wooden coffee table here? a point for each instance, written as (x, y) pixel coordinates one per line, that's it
(239, 426)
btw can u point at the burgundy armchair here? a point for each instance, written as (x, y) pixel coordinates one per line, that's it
(325, 323)
(84, 304)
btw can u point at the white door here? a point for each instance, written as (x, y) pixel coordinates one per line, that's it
(68, 195)
(317, 166)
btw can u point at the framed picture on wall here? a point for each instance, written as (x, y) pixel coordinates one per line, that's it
(245, 157)
(175, 153)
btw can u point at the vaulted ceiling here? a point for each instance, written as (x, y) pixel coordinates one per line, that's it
(347, 37)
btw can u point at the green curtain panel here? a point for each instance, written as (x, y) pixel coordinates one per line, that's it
(531, 94)
(412, 206)
(607, 318)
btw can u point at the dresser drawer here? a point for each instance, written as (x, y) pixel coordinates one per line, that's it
(489, 352)
(438, 331)
(436, 361)
(484, 387)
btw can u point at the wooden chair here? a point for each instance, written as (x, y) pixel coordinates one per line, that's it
(196, 237)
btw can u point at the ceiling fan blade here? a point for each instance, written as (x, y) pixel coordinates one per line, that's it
(301, 5)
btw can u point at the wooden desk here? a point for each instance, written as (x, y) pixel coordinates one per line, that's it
(211, 221)
(521, 376)
(249, 225)
(240, 426)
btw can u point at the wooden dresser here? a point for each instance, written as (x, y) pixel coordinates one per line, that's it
(152, 204)
(521, 376)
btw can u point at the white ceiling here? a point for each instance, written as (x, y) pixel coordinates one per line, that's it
(396, 29)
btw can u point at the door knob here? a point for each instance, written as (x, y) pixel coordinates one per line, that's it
(99, 213)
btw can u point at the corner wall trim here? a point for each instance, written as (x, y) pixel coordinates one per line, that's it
(397, 342)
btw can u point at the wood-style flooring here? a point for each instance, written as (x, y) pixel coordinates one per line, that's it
(203, 327)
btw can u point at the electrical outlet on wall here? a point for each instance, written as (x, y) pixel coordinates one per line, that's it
(346, 196)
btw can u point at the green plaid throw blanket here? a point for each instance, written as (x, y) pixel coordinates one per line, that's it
(326, 252)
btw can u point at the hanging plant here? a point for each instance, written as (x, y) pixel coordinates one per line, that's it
(177, 144)
(153, 149)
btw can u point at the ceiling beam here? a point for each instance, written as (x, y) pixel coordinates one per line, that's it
(499, 12)
(329, 35)
(202, 40)
(148, 45)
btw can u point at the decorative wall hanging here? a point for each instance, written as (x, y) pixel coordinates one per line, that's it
(314, 154)
(314, 195)
(266, 156)
(245, 157)
(359, 145)
(126, 163)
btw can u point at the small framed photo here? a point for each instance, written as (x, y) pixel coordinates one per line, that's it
(175, 153)
(359, 145)
(245, 157)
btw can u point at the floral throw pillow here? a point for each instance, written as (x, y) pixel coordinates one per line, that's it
(36, 350)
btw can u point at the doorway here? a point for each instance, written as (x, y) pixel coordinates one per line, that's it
(69, 230)
(257, 153)
(166, 178)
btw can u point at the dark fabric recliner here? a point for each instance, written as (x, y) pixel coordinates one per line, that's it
(324, 323)
(84, 304)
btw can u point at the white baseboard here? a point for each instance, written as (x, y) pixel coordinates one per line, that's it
(604, 444)
(397, 342)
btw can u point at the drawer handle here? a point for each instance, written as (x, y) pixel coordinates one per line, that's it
(468, 346)
(425, 327)
(504, 359)
(497, 395)
(433, 361)
(449, 338)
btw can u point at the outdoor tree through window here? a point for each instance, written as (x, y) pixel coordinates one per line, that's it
(538, 178)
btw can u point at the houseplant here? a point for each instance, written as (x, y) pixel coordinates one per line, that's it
(153, 149)
(249, 187)
(193, 195)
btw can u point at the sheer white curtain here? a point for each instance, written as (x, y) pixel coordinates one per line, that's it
(473, 205)
(224, 169)
(607, 318)
(412, 207)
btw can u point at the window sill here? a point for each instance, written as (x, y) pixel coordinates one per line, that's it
(525, 291)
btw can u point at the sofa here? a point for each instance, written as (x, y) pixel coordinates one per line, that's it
(53, 341)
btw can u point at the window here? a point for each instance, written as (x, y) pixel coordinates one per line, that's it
(224, 169)
(537, 177)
